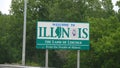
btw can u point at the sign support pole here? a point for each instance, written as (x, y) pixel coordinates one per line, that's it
(24, 33)
(46, 59)
(78, 59)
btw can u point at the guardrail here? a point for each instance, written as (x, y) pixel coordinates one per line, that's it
(19, 66)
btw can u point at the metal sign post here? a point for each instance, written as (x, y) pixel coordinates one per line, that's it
(46, 59)
(24, 33)
(78, 59)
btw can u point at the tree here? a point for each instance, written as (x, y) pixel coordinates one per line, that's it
(9, 45)
(108, 7)
(36, 10)
(104, 32)
(104, 45)
(118, 4)
(0, 13)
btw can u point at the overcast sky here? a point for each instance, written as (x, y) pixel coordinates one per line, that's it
(115, 7)
(5, 6)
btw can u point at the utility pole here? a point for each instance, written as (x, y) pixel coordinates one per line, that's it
(24, 33)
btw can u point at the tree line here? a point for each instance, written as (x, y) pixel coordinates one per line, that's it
(104, 32)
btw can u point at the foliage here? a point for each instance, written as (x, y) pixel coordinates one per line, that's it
(104, 44)
(10, 34)
(104, 32)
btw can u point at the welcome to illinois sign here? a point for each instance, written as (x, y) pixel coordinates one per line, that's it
(62, 35)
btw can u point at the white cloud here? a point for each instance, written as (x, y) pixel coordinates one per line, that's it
(5, 6)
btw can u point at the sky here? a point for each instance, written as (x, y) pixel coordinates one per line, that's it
(115, 7)
(5, 6)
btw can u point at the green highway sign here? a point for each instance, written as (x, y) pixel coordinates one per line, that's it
(62, 35)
